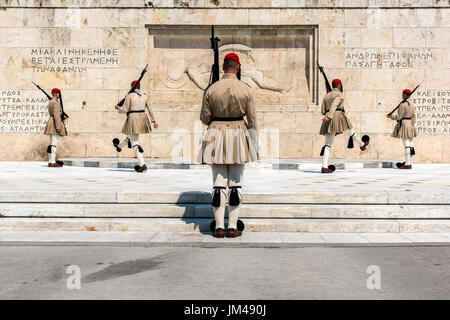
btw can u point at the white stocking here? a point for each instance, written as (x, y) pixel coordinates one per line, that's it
(329, 139)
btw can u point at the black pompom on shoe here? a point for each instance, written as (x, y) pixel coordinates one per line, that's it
(116, 144)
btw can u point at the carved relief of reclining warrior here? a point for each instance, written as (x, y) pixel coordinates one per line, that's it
(197, 70)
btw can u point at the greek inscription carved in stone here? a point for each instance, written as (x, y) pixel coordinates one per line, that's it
(386, 58)
(21, 111)
(71, 59)
(432, 111)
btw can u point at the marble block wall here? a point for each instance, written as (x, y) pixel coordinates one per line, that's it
(93, 49)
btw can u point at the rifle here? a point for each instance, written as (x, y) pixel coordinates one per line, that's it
(214, 77)
(390, 113)
(64, 115)
(327, 83)
(133, 88)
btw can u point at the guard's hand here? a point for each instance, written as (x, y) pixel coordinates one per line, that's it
(117, 107)
(388, 116)
(325, 119)
(155, 124)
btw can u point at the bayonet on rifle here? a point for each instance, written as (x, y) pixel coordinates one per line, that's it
(215, 73)
(327, 83)
(133, 88)
(64, 115)
(390, 113)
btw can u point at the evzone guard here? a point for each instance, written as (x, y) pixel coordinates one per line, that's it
(137, 122)
(336, 122)
(55, 127)
(405, 128)
(229, 142)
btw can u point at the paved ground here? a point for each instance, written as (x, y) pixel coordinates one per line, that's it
(199, 273)
(36, 176)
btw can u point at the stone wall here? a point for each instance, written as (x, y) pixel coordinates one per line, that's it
(93, 49)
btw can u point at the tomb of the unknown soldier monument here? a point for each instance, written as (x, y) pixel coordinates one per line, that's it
(228, 125)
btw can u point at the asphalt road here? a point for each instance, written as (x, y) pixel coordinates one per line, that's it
(228, 273)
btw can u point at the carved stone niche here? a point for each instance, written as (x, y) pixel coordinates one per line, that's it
(278, 60)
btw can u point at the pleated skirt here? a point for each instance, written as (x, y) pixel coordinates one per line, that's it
(137, 123)
(50, 128)
(228, 142)
(404, 129)
(339, 124)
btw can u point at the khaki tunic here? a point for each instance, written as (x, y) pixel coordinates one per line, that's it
(55, 126)
(137, 123)
(405, 128)
(228, 142)
(332, 104)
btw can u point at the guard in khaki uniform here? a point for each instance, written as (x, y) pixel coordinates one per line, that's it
(405, 128)
(137, 123)
(336, 122)
(228, 144)
(55, 128)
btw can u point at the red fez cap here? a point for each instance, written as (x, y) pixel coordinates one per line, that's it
(133, 83)
(55, 90)
(335, 81)
(232, 56)
(407, 91)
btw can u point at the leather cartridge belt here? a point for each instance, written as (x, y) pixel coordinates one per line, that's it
(339, 109)
(227, 119)
(135, 111)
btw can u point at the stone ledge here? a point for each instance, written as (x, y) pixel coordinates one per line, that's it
(202, 225)
(194, 239)
(222, 4)
(281, 164)
(277, 211)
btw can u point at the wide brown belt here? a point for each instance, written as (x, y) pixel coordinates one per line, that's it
(401, 120)
(227, 119)
(135, 111)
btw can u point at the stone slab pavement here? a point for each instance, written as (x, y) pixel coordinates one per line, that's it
(30, 272)
(37, 177)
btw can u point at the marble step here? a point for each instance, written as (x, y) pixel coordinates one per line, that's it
(202, 225)
(274, 164)
(145, 210)
(386, 197)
